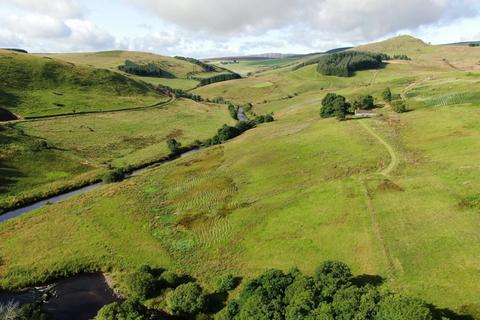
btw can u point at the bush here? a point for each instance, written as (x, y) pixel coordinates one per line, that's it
(174, 146)
(399, 106)
(39, 145)
(115, 175)
(186, 300)
(387, 95)
(140, 285)
(225, 283)
(128, 310)
(233, 111)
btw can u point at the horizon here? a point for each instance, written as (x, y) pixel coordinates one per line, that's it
(173, 28)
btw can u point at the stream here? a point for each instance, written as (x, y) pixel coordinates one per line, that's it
(55, 199)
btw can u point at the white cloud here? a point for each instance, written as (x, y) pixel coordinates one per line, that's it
(37, 26)
(361, 18)
(85, 35)
(56, 8)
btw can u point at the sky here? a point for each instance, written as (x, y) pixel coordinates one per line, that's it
(214, 28)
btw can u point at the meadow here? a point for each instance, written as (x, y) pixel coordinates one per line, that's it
(394, 196)
(45, 155)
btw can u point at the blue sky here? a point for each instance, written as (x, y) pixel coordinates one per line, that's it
(229, 27)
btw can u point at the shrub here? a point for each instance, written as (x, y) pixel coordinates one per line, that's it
(39, 145)
(387, 95)
(399, 106)
(174, 146)
(233, 111)
(187, 299)
(115, 175)
(225, 283)
(128, 310)
(140, 285)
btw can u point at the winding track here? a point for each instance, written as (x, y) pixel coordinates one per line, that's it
(394, 159)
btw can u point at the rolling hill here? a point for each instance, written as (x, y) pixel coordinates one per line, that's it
(41, 86)
(395, 196)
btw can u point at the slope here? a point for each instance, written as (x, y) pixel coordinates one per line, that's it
(36, 86)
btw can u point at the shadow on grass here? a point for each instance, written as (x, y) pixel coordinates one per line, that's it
(368, 279)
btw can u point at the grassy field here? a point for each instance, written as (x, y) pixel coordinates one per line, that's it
(81, 147)
(395, 196)
(244, 67)
(36, 86)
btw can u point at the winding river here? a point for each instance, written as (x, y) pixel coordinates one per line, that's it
(37, 205)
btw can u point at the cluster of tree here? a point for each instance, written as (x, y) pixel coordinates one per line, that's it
(183, 296)
(397, 103)
(401, 57)
(16, 50)
(334, 105)
(218, 78)
(332, 293)
(228, 132)
(205, 66)
(146, 70)
(344, 64)
(474, 44)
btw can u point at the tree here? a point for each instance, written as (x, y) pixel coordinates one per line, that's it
(400, 308)
(226, 133)
(115, 175)
(364, 102)
(174, 146)
(334, 105)
(140, 285)
(186, 300)
(331, 276)
(128, 310)
(399, 106)
(233, 111)
(170, 279)
(387, 95)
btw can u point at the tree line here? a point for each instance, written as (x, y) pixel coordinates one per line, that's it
(332, 292)
(205, 66)
(345, 64)
(218, 78)
(146, 70)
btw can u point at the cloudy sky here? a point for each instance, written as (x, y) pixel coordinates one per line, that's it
(206, 28)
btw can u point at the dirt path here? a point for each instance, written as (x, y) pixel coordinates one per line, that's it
(411, 86)
(71, 115)
(393, 156)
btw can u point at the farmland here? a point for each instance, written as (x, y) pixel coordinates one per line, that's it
(393, 196)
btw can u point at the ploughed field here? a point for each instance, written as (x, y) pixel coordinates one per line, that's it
(395, 196)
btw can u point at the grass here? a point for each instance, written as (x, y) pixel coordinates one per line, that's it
(245, 67)
(82, 147)
(294, 192)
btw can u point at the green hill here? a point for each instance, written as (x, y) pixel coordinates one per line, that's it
(185, 72)
(38, 86)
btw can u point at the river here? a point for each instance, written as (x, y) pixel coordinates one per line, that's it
(37, 205)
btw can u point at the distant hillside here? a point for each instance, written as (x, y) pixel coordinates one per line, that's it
(180, 70)
(398, 45)
(34, 85)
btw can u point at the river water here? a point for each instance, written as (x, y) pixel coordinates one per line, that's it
(75, 298)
